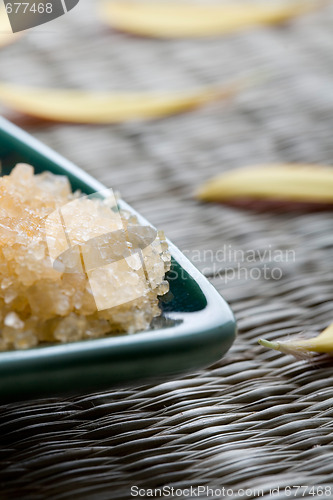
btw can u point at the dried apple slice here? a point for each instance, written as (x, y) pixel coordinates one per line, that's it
(323, 344)
(6, 34)
(283, 183)
(180, 19)
(81, 106)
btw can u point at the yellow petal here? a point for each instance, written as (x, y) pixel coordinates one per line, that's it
(104, 107)
(286, 182)
(180, 19)
(6, 34)
(321, 344)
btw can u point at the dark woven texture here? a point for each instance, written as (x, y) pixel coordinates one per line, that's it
(257, 419)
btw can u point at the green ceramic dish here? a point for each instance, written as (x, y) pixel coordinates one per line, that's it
(197, 326)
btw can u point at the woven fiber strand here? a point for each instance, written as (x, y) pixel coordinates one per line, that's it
(257, 419)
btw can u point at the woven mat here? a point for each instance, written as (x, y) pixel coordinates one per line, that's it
(256, 419)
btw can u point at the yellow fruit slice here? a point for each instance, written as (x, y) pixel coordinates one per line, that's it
(321, 344)
(104, 107)
(180, 19)
(286, 182)
(6, 34)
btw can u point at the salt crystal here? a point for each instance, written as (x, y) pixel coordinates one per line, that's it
(22, 173)
(13, 321)
(10, 295)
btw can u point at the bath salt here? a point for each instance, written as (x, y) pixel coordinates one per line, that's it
(72, 266)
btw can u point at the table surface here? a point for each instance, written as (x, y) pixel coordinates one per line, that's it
(257, 419)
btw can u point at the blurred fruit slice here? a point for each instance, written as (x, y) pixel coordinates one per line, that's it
(6, 34)
(286, 182)
(180, 19)
(323, 343)
(79, 106)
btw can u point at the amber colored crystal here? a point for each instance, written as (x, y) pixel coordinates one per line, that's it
(43, 298)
